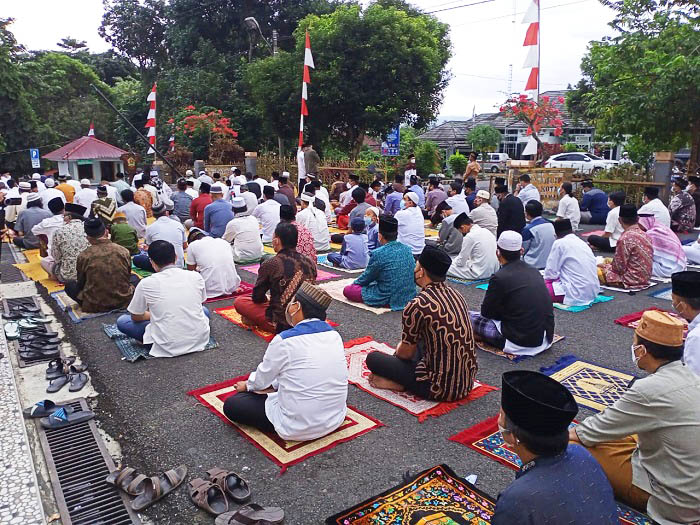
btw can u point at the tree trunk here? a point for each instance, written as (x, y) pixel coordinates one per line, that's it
(357, 143)
(280, 149)
(540, 148)
(694, 161)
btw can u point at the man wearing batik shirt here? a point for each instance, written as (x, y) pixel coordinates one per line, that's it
(103, 207)
(436, 358)
(634, 255)
(305, 241)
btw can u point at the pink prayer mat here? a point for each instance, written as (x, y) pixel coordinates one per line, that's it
(321, 275)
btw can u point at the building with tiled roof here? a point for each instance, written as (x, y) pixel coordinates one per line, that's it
(88, 158)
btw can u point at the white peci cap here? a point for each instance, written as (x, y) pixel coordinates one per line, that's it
(510, 241)
(84, 182)
(413, 196)
(483, 194)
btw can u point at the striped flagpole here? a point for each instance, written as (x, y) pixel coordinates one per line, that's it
(306, 80)
(151, 120)
(532, 43)
(91, 132)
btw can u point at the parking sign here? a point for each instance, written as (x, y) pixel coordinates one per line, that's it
(36, 161)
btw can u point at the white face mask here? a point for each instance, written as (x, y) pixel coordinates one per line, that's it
(347, 185)
(635, 359)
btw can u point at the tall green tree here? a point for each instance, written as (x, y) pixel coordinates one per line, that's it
(484, 137)
(645, 81)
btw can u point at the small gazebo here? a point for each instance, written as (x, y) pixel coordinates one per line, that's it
(88, 158)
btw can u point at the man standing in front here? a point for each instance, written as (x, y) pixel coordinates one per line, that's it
(166, 310)
(301, 163)
(311, 160)
(436, 358)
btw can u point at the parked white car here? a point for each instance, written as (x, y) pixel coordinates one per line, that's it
(494, 162)
(610, 163)
(581, 162)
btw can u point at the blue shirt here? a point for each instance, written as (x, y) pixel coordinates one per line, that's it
(181, 203)
(216, 216)
(373, 237)
(392, 203)
(596, 202)
(354, 251)
(470, 200)
(388, 279)
(421, 195)
(538, 239)
(569, 488)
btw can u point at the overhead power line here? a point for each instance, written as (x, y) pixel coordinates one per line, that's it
(458, 7)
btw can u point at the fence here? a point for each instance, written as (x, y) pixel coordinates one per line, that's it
(546, 180)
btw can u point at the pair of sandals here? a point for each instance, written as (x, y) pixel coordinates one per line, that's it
(62, 372)
(146, 490)
(39, 345)
(52, 416)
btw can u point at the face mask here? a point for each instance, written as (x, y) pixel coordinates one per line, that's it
(368, 221)
(415, 276)
(635, 359)
(288, 315)
(403, 205)
(347, 185)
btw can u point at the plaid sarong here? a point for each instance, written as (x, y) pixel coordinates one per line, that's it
(486, 330)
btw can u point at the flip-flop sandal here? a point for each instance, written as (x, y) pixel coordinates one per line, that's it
(252, 514)
(42, 339)
(25, 308)
(54, 369)
(157, 487)
(13, 316)
(32, 355)
(234, 486)
(38, 346)
(42, 409)
(39, 331)
(77, 381)
(57, 384)
(62, 418)
(128, 480)
(12, 330)
(208, 496)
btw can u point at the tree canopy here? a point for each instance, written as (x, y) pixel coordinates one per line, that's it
(484, 137)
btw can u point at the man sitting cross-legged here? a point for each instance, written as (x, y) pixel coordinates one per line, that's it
(300, 389)
(436, 358)
(166, 310)
(213, 259)
(558, 483)
(647, 441)
(477, 259)
(282, 276)
(516, 315)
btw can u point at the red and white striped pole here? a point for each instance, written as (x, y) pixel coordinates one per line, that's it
(151, 120)
(306, 80)
(91, 132)
(532, 43)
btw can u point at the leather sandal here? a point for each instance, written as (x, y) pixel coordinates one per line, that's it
(157, 487)
(128, 480)
(208, 496)
(77, 380)
(252, 514)
(234, 486)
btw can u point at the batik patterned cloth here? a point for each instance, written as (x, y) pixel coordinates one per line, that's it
(682, 210)
(633, 262)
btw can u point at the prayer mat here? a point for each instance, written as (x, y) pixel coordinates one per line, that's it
(322, 260)
(138, 271)
(131, 349)
(230, 313)
(32, 270)
(321, 275)
(436, 496)
(335, 290)
(594, 232)
(484, 286)
(72, 308)
(468, 282)
(632, 320)
(594, 387)
(512, 357)
(243, 289)
(630, 291)
(486, 439)
(284, 453)
(688, 241)
(269, 249)
(599, 299)
(356, 352)
(664, 280)
(664, 293)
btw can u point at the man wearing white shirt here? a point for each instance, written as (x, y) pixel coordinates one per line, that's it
(251, 201)
(243, 233)
(301, 163)
(613, 229)
(166, 310)
(685, 297)
(268, 213)
(321, 194)
(212, 258)
(40, 185)
(571, 273)
(51, 193)
(189, 176)
(410, 171)
(525, 190)
(411, 224)
(456, 199)
(203, 177)
(112, 192)
(85, 196)
(45, 230)
(77, 185)
(477, 259)
(261, 182)
(653, 205)
(309, 387)
(568, 205)
(346, 196)
(315, 221)
(190, 188)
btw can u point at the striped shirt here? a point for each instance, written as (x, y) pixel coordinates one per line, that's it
(438, 318)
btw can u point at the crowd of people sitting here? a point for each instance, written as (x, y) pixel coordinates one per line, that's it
(642, 450)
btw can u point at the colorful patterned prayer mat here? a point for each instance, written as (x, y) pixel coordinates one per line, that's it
(321, 275)
(664, 293)
(486, 439)
(244, 289)
(511, 357)
(131, 349)
(356, 352)
(335, 290)
(284, 453)
(140, 272)
(434, 497)
(599, 299)
(72, 308)
(630, 291)
(322, 260)
(593, 386)
(632, 320)
(467, 282)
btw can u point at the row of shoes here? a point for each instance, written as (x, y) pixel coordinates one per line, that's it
(27, 327)
(64, 371)
(217, 494)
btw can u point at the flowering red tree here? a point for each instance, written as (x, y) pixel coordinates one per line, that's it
(204, 132)
(536, 115)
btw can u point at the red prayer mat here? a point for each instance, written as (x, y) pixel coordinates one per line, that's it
(244, 289)
(356, 352)
(632, 320)
(594, 232)
(284, 453)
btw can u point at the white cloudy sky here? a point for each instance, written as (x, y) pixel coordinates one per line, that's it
(485, 41)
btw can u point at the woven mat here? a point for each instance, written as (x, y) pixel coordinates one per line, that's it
(335, 290)
(230, 313)
(72, 308)
(486, 439)
(284, 453)
(131, 349)
(243, 289)
(356, 352)
(33, 270)
(662, 294)
(322, 260)
(593, 386)
(511, 357)
(436, 496)
(573, 309)
(321, 275)
(632, 320)
(468, 282)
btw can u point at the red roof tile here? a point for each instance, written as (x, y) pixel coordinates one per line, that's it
(85, 148)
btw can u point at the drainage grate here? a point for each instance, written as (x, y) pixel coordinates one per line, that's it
(10, 274)
(78, 465)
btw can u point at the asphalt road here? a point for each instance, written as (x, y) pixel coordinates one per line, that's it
(145, 407)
